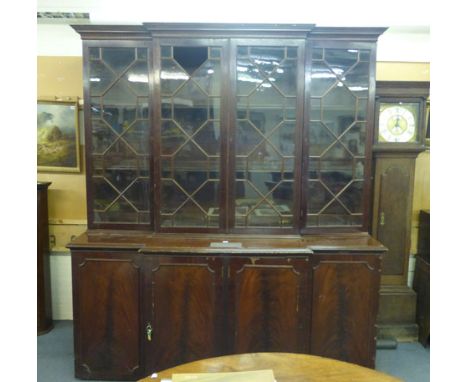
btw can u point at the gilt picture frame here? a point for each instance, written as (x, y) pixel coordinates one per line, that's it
(58, 140)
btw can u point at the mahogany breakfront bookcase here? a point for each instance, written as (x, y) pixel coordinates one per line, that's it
(228, 189)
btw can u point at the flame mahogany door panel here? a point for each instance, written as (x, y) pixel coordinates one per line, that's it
(268, 304)
(106, 313)
(183, 295)
(344, 307)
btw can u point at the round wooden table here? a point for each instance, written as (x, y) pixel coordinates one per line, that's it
(287, 367)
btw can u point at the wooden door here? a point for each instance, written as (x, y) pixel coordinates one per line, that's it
(106, 313)
(344, 307)
(393, 199)
(267, 304)
(183, 297)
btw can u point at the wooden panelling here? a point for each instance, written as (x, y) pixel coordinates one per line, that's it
(185, 300)
(268, 304)
(393, 200)
(344, 303)
(106, 303)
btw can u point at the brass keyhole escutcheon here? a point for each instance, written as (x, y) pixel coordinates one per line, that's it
(149, 332)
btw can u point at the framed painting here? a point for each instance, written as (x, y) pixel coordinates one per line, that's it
(58, 141)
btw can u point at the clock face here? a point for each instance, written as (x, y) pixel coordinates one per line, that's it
(398, 122)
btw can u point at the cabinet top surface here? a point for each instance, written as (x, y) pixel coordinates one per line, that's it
(224, 243)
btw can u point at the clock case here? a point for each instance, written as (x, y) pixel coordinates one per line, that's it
(394, 92)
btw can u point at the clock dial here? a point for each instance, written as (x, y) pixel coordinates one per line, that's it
(398, 123)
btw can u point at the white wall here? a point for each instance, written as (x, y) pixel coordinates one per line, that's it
(61, 285)
(401, 44)
(407, 39)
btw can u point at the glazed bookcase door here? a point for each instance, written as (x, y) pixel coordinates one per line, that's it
(118, 134)
(268, 115)
(191, 130)
(339, 104)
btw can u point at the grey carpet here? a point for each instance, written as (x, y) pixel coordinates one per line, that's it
(409, 361)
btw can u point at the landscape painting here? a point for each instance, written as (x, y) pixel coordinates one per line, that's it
(57, 136)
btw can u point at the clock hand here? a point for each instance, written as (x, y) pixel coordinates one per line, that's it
(397, 123)
(397, 126)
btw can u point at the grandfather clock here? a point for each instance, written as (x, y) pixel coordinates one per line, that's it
(399, 137)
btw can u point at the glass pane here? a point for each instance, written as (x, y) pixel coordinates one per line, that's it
(357, 79)
(283, 138)
(119, 178)
(322, 79)
(190, 107)
(119, 118)
(100, 77)
(267, 59)
(338, 109)
(103, 193)
(318, 197)
(137, 77)
(102, 136)
(337, 136)
(341, 60)
(172, 137)
(137, 136)
(120, 135)
(352, 197)
(172, 76)
(172, 197)
(190, 132)
(248, 76)
(208, 137)
(94, 53)
(142, 54)
(354, 139)
(265, 142)
(208, 77)
(166, 51)
(190, 215)
(118, 59)
(119, 212)
(320, 138)
(284, 77)
(215, 53)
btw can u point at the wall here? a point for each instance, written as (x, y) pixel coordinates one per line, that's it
(59, 75)
(59, 78)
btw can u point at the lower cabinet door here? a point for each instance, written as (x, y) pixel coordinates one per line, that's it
(268, 305)
(344, 307)
(106, 309)
(184, 300)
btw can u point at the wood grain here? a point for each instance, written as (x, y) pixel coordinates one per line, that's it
(185, 304)
(268, 304)
(343, 307)
(286, 367)
(106, 303)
